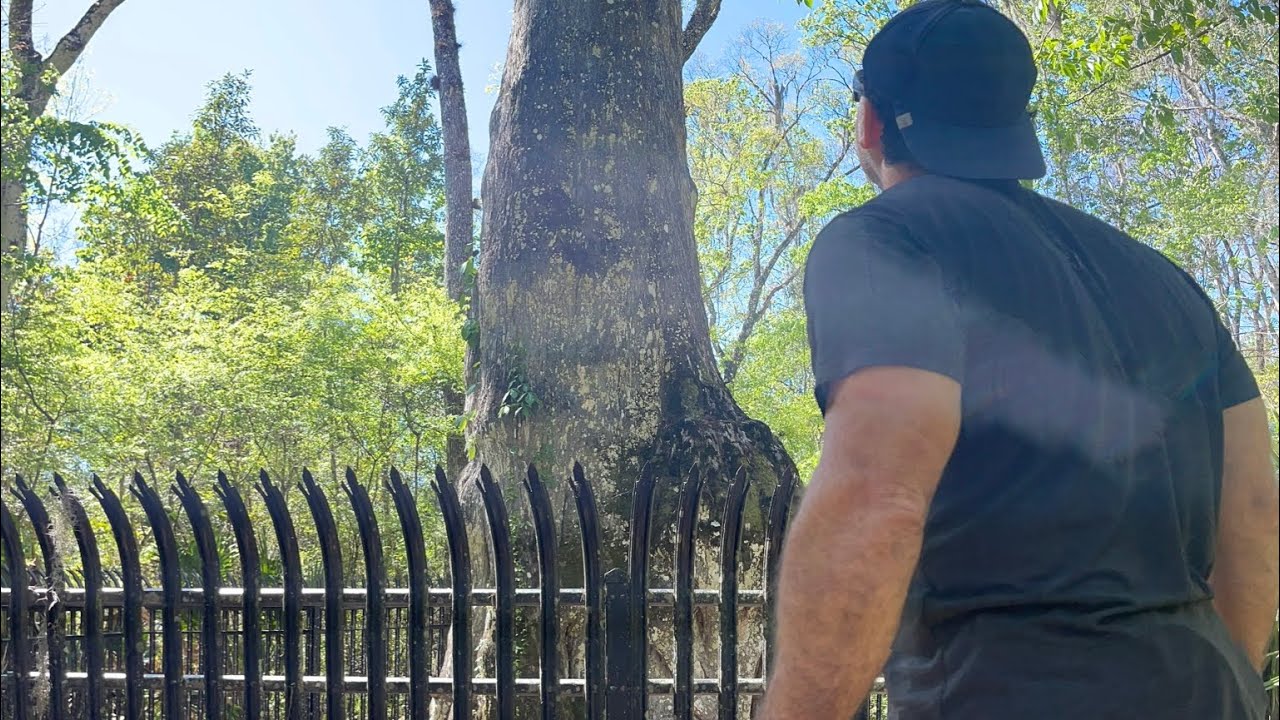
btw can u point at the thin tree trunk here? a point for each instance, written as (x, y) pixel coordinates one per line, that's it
(13, 233)
(458, 225)
(458, 237)
(458, 221)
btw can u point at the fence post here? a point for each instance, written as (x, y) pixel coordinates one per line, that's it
(17, 612)
(55, 618)
(623, 699)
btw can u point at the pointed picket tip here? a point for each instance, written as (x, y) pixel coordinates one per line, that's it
(220, 488)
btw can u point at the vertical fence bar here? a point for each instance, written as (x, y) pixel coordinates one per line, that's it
(210, 585)
(588, 522)
(779, 515)
(127, 544)
(638, 576)
(171, 583)
(685, 538)
(312, 666)
(495, 509)
(331, 558)
(287, 539)
(460, 569)
(622, 698)
(54, 617)
(17, 613)
(91, 616)
(549, 590)
(729, 542)
(250, 626)
(375, 587)
(415, 550)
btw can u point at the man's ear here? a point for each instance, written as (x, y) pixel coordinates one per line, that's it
(869, 127)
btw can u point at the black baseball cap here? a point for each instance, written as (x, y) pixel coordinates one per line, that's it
(957, 76)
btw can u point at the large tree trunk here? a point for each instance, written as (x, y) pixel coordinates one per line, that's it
(588, 293)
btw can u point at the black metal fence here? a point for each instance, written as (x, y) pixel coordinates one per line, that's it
(79, 640)
(113, 648)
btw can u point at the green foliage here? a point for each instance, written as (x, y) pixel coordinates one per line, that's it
(776, 384)
(15, 118)
(405, 169)
(519, 400)
(236, 305)
(69, 157)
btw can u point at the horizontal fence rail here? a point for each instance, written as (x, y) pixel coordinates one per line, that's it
(98, 642)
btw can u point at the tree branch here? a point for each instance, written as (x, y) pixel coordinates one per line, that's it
(1144, 63)
(73, 43)
(699, 23)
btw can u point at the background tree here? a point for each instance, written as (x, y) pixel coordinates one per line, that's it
(331, 206)
(31, 78)
(227, 311)
(459, 226)
(401, 236)
(770, 151)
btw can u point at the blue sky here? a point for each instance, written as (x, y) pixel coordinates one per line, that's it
(315, 63)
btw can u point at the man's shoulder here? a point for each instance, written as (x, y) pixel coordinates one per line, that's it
(928, 211)
(1095, 229)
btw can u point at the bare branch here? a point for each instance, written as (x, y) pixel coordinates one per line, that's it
(73, 43)
(699, 23)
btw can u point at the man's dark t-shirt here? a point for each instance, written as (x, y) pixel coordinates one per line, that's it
(1066, 558)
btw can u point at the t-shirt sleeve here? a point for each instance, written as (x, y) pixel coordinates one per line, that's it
(875, 296)
(1236, 383)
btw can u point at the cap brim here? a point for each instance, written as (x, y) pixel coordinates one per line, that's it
(977, 153)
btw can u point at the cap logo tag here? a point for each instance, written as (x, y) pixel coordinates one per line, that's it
(904, 121)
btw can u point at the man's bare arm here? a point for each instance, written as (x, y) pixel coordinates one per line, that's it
(1246, 573)
(853, 546)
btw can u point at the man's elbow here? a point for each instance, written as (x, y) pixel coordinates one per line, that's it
(860, 507)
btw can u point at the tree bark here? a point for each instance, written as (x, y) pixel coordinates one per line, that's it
(38, 77)
(588, 291)
(13, 230)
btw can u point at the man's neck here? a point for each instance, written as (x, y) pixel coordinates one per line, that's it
(891, 175)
